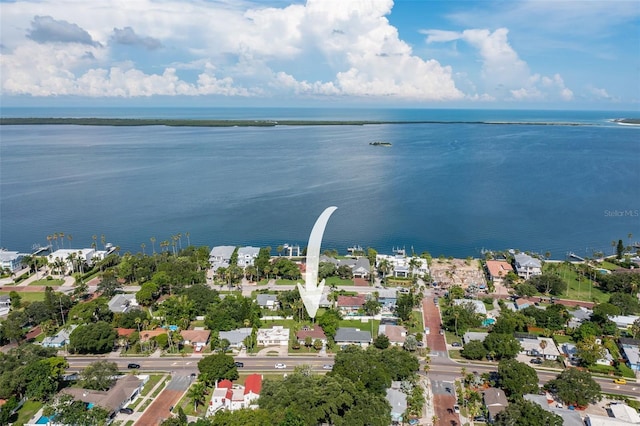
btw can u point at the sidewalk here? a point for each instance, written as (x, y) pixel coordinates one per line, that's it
(137, 414)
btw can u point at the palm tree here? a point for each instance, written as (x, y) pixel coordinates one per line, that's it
(142, 246)
(70, 238)
(543, 345)
(186, 234)
(197, 393)
(61, 236)
(153, 244)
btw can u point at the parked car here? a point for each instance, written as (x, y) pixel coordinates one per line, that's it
(327, 367)
(281, 366)
(620, 381)
(456, 409)
(456, 344)
(126, 410)
(536, 361)
(239, 364)
(133, 365)
(479, 419)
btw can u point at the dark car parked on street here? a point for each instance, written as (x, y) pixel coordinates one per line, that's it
(133, 365)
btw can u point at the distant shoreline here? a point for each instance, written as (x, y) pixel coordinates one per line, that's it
(132, 122)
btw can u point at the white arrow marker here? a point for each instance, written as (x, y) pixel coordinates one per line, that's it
(311, 293)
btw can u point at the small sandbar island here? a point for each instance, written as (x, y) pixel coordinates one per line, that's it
(627, 121)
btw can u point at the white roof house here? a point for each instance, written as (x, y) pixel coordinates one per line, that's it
(220, 256)
(532, 347)
(10, 260)
(235, 337)
(122, 303)
(625, 413)
(624, 321)
(276, 336)
(246, 255)
(478, 305)
(527, 266)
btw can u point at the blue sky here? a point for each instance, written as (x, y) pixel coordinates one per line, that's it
(408, 53)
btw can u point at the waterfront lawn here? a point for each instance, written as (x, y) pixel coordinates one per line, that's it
(28, 296)
(608, 265)
(579, 287)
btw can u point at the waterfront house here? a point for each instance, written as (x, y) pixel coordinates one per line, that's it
(11, 260)
(498, 270)
(246, 255)
(275, 336)
(235, 337)
(527, 266)
(346, 336)
(220, 256)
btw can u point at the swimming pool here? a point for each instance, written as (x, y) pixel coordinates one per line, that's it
(487, 322)
(42, 420)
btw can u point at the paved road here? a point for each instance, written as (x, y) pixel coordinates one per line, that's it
(161, 407)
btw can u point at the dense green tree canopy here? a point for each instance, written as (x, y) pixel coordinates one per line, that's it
(68, 411)
(628, 303)
(95, 338)
(517, 378)
(330, 321)
(98, 375)
(474, 350)
(231, 312)
(30, 370)
(330, 399)
(217, 367)
(575, 387)
(554, 317)
(526, 413)
(91, 311)
(502, 346)
(202, 296)
(548, 284)
(460, 318)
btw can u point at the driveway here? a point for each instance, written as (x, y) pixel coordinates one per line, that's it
(159, 409)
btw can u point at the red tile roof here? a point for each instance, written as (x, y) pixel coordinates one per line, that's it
(125, 332)
(498, 268)
(253, 383)
(348, 301)
(315, 333)
(196, 336)
(224, 384)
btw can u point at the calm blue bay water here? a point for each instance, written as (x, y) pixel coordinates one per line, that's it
(448, 189)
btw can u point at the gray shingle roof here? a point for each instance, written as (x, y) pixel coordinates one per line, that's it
(349, 334)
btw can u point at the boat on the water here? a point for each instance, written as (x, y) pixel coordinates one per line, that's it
(380, 143)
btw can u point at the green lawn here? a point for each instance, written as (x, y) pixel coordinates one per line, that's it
(28, 296)
(28, 410)
(608, 265)
(417, 320)
(50, 283)
(153, 380)
(364, 326)
(337, 281)
(287, 282)
(579, 288)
